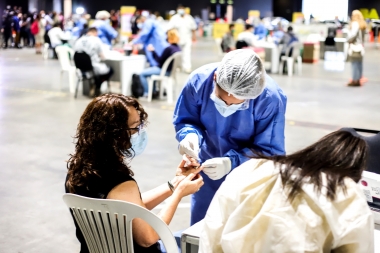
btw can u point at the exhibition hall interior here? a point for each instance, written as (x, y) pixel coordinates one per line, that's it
(189, 126)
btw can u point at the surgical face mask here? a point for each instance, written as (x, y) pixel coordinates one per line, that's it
(181, 12)
(139, 142)
(227, 110)
(140, 25)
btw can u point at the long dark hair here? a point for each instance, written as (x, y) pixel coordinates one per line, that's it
(102, 140)
(339, 155)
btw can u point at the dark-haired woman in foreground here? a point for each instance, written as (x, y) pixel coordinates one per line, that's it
(305, 202)
(110, 133)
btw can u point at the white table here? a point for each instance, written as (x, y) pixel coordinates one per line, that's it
(190, 238)
(341, 45)
(272, 55)
(124, 67)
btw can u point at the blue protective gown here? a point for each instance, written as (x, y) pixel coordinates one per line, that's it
(106, 33)
(79, 26)
(260, 127)
(152, 33)
(261, 31)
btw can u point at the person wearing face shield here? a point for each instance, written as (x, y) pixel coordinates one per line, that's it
(151, 33)
(105, 31)
(225, 112)
(186, 26)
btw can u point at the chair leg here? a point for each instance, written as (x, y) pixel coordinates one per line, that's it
(150, 89)
(290, 63)
(162, 86)
(281, 67)
(299, 62)
(72, 81)
(60, 80)
(76, 90)
(169, 90)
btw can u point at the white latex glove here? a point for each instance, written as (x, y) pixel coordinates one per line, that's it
(217, 168)
(190, 146)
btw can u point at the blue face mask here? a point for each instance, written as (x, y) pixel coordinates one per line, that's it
(139, 142)
(227, 110)
(140, 25)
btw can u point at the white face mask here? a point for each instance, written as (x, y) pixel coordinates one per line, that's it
(181, 12)
(140, 25)
(227, 110)
(139, 142)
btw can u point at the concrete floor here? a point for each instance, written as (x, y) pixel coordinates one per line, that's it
(38, 120)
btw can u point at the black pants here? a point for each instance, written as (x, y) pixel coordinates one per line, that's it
(7, 36)
(102, 78)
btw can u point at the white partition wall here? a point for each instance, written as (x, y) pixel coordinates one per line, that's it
(325, 9)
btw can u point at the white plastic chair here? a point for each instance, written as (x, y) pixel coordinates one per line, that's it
(63, 53)
(218, 42)
(290, 61)
(169, 81)
(107, 224)
(47, 52)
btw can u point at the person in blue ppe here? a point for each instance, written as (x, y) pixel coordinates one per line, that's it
(80, 25)
(106, 33)
(151, 34)
(225, 113)
(261, 31)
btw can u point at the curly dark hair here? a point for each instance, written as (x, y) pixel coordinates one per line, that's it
(103, 140)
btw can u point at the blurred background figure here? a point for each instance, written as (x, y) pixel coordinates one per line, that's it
(114, 19)
(288, 38)
(247, 37)
(39, 32)
(92, 45)
(356, 48)
(186, 26)
(7, 28)
(173, 39)
(151, 34)
(228, 41)
(105, 31)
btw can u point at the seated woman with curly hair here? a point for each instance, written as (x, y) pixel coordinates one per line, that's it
(110, 133)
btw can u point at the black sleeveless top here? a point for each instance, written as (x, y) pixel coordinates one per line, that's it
(99, 188)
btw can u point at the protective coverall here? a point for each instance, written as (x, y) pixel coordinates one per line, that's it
(260, 127)
(152, 33)
(250, 213)
(105, 31)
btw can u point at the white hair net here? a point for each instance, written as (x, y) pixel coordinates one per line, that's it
(241, 74)
(102, 15)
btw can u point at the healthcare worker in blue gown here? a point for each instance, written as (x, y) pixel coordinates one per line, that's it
(225, 111)
(151, 33)
(106, 33)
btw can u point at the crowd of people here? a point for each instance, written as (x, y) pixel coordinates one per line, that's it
(252, 197)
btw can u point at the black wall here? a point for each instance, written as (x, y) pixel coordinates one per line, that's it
(285, 8)
(358, 4)
(241, 7)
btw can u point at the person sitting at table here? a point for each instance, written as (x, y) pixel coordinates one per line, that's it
(173, 39)
(247, 36)
(228, 41)
(286, 40)
(106, 33)
(56, 35)
(93, 46)
(151, 33)
(309, 201)
(111, 132)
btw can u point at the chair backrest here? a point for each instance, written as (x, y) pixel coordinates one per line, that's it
(295, 47)
(176, 58)
(107, 224)
(63, 53)
(83, 61)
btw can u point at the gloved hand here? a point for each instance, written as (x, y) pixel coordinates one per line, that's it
(190, 146)
(217, 168)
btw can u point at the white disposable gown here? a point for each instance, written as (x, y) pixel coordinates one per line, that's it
(250, 213)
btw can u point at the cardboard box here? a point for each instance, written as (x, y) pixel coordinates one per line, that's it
(310, 52)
